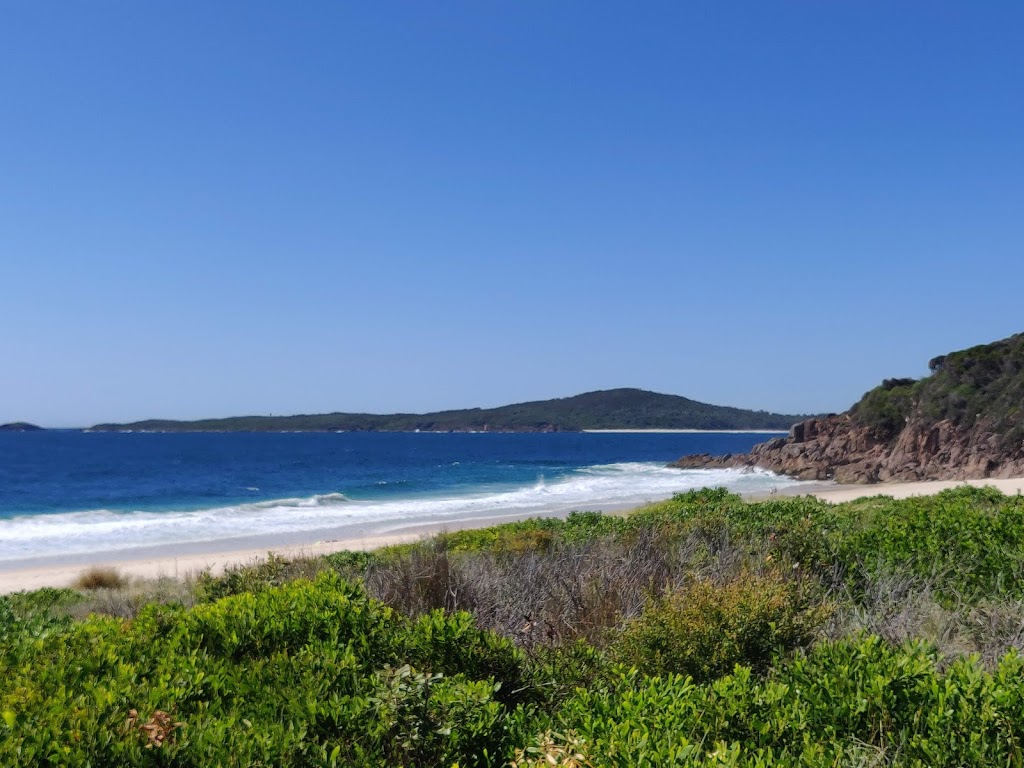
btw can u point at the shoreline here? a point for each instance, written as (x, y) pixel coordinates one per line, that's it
(92, 431)
(841, 493)
(685, 431)
(34, 575)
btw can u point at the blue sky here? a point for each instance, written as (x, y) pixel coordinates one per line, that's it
(225, 208)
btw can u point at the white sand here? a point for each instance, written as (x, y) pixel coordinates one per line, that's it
(1010, 487)
(180, 566)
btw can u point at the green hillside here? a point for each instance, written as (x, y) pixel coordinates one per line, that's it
(20, 426)
(607, 409)
(982, 386)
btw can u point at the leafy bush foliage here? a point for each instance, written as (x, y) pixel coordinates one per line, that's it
(886, 408)
(311, 673)
(703, 630)
(683, 634)
(968, 542)
(849, 703)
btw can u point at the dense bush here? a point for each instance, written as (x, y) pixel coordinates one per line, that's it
(311, 673)
(515, 643)
(886, 408)
(968, 542)
(983, 384)
(987, 379)
(704, 630)
(849, 703)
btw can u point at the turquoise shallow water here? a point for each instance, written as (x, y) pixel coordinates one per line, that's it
(72, 492)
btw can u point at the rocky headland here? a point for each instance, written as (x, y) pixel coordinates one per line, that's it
(964, 421)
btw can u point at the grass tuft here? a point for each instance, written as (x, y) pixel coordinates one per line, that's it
(101, 577)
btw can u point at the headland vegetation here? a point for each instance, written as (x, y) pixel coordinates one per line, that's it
(964, 420)
(614, 409)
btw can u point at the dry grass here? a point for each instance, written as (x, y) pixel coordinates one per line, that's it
(899, 607)
(557, 595)
(127, 601)
(101, 577)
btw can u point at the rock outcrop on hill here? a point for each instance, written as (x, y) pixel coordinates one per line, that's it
(965, 420)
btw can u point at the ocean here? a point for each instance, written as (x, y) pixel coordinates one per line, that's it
(67, 494)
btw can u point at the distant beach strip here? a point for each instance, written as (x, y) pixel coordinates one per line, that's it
(686, 431)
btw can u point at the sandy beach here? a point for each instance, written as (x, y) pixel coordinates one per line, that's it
(839, 494)
(179, 565)
(185, 564)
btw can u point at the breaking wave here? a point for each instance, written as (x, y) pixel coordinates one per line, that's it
(597, 487)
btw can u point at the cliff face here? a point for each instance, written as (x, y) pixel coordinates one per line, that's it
(964, 421)
(838, 448)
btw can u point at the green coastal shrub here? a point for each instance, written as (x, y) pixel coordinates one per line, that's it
(307, 674)
(271, 667)
(886, 408)
(968, 542)
(703, 630)
(29, 616)
(856, 702)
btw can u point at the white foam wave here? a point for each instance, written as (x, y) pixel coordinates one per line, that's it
(597, 487)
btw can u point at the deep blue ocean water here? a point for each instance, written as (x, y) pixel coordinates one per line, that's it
(83, 492)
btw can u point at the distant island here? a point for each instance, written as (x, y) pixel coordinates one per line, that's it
(20, 426)
(612, 409)
(964, 421)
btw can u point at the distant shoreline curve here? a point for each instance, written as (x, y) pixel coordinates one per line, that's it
(690, 431)
(91, 430)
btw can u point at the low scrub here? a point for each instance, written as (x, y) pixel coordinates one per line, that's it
(857, 702)
(703, 630)
(101, 578)
(967, 542)
(311, 673)
(699, 631)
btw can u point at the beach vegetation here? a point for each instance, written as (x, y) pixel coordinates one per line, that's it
(703, 630)
(699, 631)
(101, 577)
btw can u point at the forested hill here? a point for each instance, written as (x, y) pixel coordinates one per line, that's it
(608, 409)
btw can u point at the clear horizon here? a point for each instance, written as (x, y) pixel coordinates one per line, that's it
(249, 208)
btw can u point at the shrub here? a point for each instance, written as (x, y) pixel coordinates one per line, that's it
(703, 630)
(858, 702)
(885, 408)
(104, 577)
(968, 542)
(310, 673)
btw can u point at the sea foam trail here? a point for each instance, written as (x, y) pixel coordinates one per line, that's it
(598, 487)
